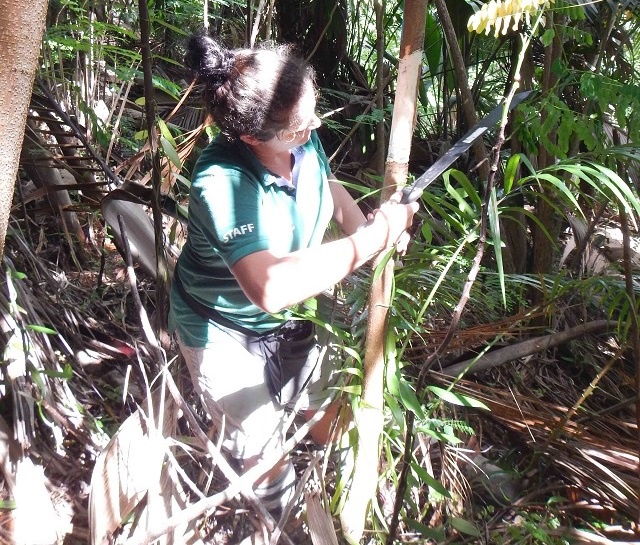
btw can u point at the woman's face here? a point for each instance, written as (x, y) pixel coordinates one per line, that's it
(303, 120)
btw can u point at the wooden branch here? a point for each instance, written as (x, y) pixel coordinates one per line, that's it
(528, 347)
(459, 308)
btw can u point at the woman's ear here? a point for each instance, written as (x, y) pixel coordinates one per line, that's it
(249, 140)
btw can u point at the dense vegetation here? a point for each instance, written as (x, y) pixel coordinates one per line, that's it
(510, 393)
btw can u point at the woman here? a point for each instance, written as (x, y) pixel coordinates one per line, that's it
(262, 195)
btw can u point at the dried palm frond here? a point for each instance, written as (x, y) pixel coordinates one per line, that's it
(130, 468)
(595, 458)
(320, 522)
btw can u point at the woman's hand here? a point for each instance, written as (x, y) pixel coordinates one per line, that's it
(396, 218)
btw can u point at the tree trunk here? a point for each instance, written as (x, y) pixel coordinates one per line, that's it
(369, 417)
(21, 29)
(543, 247)
(514, 226)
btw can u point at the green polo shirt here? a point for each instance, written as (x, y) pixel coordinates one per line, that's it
(236, 208)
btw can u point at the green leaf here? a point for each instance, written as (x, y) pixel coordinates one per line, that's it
(456, 399)
(562, 188)
(433, 44)
(353, 353)
(167, 86)
(441, 436)
(427, 233)
(42, 329)
(170, 152)
(164, 131)
(510, 171)
(465, 527)
(621, 190)
(393, 380)
(162, 22)
(458, 195)
(183, 210)
(376, 115)
(65, 374)
(396, 411)
(409, 398)
(7, 504)
(382, 264)
(466, 184)
(351, 371)
(435, 204)
(528, 164)
(433, 534)
(494, 222)
(352, 389)
(565, 132)
(183, 179)
(547, 37)
(430, 481)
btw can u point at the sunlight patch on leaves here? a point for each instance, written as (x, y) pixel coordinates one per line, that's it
(501, 15)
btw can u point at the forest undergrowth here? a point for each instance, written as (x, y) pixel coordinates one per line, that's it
(552, 460)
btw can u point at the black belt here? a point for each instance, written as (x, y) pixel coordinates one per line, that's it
(207, 312)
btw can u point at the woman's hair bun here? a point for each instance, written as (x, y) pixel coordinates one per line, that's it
(208, 59)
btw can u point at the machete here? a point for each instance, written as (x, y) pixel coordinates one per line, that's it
(413, 192)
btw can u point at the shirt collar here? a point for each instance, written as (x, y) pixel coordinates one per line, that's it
(298, 154)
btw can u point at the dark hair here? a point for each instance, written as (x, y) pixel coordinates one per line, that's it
(248, 91)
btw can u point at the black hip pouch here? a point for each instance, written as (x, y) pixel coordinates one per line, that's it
(291, 354)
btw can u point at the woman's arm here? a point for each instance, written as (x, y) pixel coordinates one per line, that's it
(275, 282)
(346, 212)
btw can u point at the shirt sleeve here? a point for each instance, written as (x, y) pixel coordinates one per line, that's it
(224, 209)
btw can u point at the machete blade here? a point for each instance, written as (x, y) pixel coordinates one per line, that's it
(413, 192)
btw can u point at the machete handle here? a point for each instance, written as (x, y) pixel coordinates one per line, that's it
(410, 194)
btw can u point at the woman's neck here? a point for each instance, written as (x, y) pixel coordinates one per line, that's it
(280, 163)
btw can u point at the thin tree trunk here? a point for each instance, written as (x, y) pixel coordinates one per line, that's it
(162, 275)
(21, 29)
(369, 418)
(465, 97)
(543, 247)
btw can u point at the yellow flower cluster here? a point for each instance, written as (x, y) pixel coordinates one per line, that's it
(501, 13)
